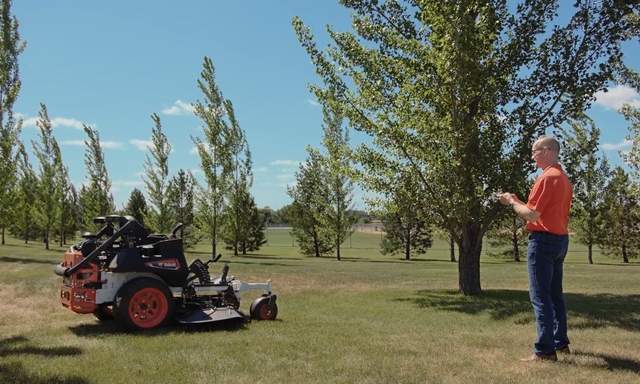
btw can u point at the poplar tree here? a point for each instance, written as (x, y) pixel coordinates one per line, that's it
(215, 155)
(588, 172)
(305, 212)
(11, 47)
(337, 216)
(97, 199)
(156, 168)
(180, 202)
(47, 152)
(461, 89)
(26, 192)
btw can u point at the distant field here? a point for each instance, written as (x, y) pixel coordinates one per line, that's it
(280, 237)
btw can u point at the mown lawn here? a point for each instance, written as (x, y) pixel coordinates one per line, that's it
(366, 319)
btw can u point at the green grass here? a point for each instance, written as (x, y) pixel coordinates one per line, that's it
(365, 319)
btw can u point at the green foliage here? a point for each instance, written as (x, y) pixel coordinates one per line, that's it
(158, 217)
(238, 212)
(26, 192)
(304, 214)
(632, 157)
(180, 204)
(459, 91)
(620, 231)
(254, 237)
(47, 152)
(405, 236)
(96, 197)
(11, 47)
(137, 207)
(215, 155)
(588, 173)
(337, 214)
(509, 232)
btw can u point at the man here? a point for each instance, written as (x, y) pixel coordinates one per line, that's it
(547, 216)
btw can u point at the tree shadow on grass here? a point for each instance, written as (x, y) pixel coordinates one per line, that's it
(20, 345)
(14, 372)
(585, 311)
(99, 329)
(612, 363)
(8, 259)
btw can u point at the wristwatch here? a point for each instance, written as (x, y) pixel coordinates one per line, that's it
(510, 205)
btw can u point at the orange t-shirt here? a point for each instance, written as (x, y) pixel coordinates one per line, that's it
(551, 195)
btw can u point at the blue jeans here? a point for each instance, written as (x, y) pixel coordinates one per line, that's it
(545, 258)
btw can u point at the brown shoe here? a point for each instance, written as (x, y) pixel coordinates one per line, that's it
(565, 350)
(540, 357)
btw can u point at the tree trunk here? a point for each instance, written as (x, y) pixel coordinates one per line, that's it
(407, 246)
(338, 250)
(46, 239)
(516, 249)
(590, 253)
(469, 265)
(452, 248)
(316, 246)
(625, 258)
(2, 235)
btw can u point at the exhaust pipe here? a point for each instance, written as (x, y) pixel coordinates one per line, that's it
(59, 270)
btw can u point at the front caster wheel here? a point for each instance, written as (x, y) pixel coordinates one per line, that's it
(264, 308)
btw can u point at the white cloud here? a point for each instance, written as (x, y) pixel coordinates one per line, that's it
(56, 122)
(142, 145)
(285, 162)
(179, 108)
(261, 169)
(127, 183)
(285, 177)
(103, 144)
(312, 102)
(111, 144)
(620, 145)
(616, 97)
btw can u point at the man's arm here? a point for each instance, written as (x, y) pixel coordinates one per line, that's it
(519, 207)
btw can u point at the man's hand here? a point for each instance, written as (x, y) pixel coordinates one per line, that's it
(505, 198)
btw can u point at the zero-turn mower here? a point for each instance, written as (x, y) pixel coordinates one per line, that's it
(143, 281)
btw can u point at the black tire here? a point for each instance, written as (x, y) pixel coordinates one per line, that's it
(104, 313)
(260, 309)
(144, 303)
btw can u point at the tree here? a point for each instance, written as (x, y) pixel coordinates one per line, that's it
(239, 209)
(48, 153)
(632, 158)
(621, 225)
(180, 202)
(97, 199)
(337, 215)
(309, 197)
(137, 206)
(460, 90)
(26, 192)
(215, 156)
(157, 172)
(405, 217)
(10, 49)
(509, 232)
(255, 236)
(588, 174)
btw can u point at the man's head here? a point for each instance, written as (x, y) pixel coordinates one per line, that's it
(545, 151)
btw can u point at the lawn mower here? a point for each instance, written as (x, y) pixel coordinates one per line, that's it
(143, 281)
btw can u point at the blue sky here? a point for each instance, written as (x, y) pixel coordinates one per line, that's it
(112, 64)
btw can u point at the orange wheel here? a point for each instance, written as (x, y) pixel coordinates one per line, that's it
(148, 308)
(144, 303)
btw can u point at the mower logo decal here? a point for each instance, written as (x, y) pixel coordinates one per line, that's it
(171, 264)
